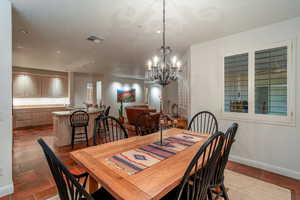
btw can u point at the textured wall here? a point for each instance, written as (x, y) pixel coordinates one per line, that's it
(6, 185)
(269, 146)
(110, 85)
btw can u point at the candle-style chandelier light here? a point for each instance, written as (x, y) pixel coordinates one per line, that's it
(163, 68)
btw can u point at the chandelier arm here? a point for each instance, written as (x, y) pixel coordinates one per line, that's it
(164, 70)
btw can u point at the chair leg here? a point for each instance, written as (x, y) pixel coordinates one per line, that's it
(86, 136)
(95, 138)
(209, 194)
(107, 125)
(224, 192)
(96, 133)
(73, 135)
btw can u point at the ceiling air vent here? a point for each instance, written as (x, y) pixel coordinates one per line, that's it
(95, 39)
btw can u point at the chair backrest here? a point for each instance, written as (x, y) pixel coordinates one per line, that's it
(79, 118)
(204, 122)
(68, 187)
(218, 177)
(145, 124)
(198, 175)
(106, 113)
(113, 129)
(98, 126)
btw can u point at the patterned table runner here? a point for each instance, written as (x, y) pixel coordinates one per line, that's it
(138, 159)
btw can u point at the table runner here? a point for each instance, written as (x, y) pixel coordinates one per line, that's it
(138, 159)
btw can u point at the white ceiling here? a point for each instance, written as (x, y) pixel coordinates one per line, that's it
(129, 29)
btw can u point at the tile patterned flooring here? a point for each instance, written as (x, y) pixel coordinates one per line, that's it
(33, 181)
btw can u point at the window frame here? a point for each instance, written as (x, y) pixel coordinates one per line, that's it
(251, 116)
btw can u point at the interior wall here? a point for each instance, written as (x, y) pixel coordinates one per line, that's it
(6, 184)
(154, 95)
(110, 85)
(271, 147)
(170, 96)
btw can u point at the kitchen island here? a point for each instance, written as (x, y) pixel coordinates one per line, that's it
(62, 126)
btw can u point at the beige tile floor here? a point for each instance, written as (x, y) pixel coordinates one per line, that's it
(242, 187)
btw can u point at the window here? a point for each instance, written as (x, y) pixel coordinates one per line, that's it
(259, 84)
(236, 83)
(89, 93)
(271, 81)
(99, 92)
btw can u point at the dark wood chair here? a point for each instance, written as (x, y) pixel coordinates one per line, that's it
(218, 178)
(98, 128)
(68, 184)
(198, 175)
(146, 123)
(204, 122)
(106, 112)
(79, 120)
(112, 129)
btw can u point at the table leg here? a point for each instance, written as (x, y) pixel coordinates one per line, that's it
(93, 185)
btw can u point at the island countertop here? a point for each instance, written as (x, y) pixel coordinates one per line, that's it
(68, 113)
(62, 128)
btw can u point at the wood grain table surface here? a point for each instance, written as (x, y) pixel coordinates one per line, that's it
(151, 183)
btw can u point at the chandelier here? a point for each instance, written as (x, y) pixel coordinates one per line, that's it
(163, 68)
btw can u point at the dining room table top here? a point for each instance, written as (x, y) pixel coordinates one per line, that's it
(151, 183)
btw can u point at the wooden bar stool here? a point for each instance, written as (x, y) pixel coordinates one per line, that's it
(79, 120)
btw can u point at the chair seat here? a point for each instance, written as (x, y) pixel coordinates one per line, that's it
(78, 125)
(102, 194)
(173, 194)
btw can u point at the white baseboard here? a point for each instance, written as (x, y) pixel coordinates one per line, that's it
(265, 166)
(6, 190)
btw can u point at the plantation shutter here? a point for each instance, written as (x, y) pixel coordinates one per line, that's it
(271, 81)
(236, 83)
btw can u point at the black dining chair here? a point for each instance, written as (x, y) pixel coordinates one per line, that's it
(113, 130)
(106, 112)
(198, 175)
(146, 124)
(204, 122)
(68, 184)
(79, 120)
(218, 178)
(98, 128)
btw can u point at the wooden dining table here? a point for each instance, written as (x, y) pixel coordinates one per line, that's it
(151, 183)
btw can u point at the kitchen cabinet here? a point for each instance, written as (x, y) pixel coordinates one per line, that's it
(32, 86)
(34, 116)
(26, 86)
(53, 87)
(18, 85)
(61, 87)
(48, 87)
(36, 86)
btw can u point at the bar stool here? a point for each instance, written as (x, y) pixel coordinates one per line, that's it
(106, 112)
(79, 119)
